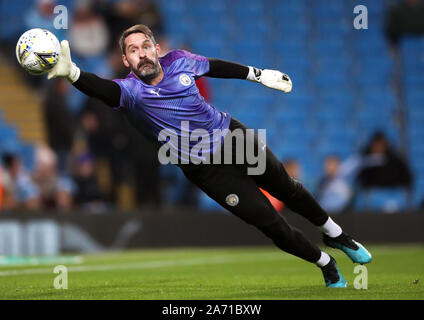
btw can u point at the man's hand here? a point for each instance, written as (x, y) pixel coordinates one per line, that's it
(276, 80)
(65, 68)
(273, 79)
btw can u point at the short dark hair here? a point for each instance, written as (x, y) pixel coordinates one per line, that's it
(138, 28)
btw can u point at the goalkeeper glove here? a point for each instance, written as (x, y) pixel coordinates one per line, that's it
(64, 67)
(273, 79)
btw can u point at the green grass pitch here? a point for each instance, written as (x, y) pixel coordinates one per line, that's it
(396, 272)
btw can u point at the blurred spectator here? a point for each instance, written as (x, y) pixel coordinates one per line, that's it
(19, 191)
(334, 191)
(145, 162)
(118, 69)
(121, 15)
(56, 191)
(88, 195)
(382, 166)
(115, 20)
(102, 130)
(59, 121)
(141, 11)
(165, 45)
(293, 168)
(89, 35)
(131, 159)
(405, 17)
(89, 39)
(96, 132)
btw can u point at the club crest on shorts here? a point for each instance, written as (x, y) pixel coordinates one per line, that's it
(232, 200)
(185, 80)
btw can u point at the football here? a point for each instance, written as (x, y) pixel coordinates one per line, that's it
(37, 51)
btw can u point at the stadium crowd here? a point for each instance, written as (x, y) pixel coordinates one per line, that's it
(95, 161)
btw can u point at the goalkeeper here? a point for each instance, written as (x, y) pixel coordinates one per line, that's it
(160, 93)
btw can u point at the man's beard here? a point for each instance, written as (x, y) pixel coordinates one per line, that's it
(147, 75)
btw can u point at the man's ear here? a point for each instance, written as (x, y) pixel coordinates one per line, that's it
(125, 61)
(158, 49)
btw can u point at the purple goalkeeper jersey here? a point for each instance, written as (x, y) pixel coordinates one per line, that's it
(172, 102)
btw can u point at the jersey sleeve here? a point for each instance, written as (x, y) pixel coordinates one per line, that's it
(126, 100)
(198, 65)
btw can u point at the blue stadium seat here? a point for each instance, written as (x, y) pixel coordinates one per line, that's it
(331, 116)
(331, 80)
(291, 150)
(382, 200)
(414, 80)
(411, 44)
(415, 97)
(299, 101)
(418, 198)
(415, 133)
(8, 133)
(291, 115)
(332, 62)
(289, 9)
(295, 67)
(27, 153)
(371, 78)
(417, 150)
(339, 135)
(416, 117)
(334, 44)
(333, 147)
(336, 97)
(292, 48)
(208, 204)
(248, 9)
(367, 43)
(333, 26)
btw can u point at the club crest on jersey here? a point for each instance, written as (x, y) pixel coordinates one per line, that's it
(232, 200)
(185, 80)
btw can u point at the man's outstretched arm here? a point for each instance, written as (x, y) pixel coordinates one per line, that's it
(106, 90)
(230, 70)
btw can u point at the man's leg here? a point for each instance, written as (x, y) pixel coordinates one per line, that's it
(238, 193)
(279, 184)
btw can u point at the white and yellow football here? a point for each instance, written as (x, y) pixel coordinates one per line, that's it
(37, 51)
